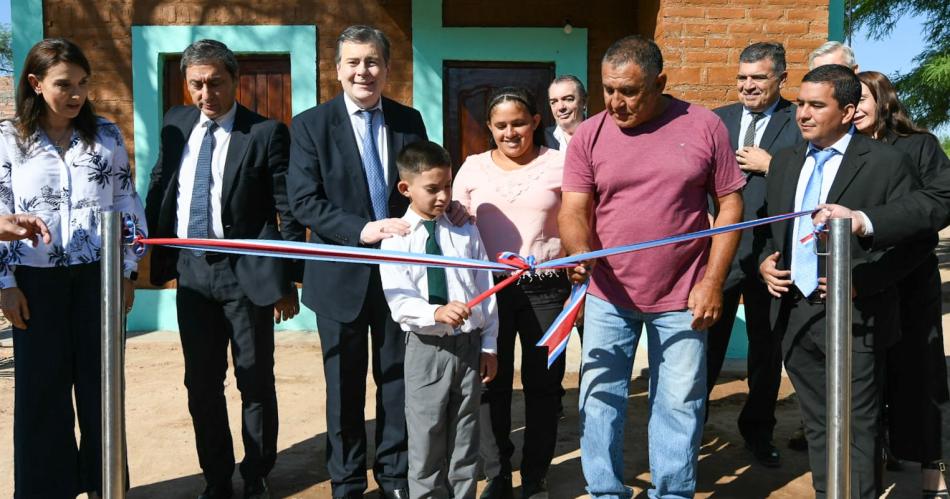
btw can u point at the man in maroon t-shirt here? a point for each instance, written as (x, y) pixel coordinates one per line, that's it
(641, 170)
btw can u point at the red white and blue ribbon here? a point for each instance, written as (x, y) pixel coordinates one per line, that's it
(557, 336)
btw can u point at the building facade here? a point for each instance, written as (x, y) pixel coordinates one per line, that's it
(446, 56)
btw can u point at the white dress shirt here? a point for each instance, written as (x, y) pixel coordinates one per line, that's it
(359, 128)
(189, 163)
(562, 138)
(760, 125)
(407, 289)
(827, 178)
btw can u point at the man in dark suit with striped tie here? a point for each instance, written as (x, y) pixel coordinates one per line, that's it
(342, 184)
(221, 173)
(760, 124)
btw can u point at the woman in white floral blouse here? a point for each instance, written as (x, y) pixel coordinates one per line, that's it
(61, 162)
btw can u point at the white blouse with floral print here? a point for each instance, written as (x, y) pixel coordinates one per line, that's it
(68, 193)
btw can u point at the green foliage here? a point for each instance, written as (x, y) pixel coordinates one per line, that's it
(925, 90)
(945, 143)
(6, 49)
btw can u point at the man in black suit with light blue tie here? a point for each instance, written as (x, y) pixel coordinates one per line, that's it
(760, 124)
(342, 184)
(221, 173)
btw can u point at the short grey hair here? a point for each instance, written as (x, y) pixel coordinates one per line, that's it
(363, 34)
(209, 51)
(641, 51)
(577, 84)
(772, 51)
(830, 47)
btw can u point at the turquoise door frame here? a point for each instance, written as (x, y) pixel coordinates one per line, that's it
(433, 44)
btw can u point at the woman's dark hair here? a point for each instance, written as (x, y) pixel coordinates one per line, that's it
(891, 115)
(519, 95)
(31, 107)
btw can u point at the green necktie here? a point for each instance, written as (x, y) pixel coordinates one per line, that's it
(438, 289)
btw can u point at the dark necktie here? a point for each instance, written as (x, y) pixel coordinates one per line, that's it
(435, 276)
(374, 167)
(805, 268)
(199, 213)
(749, 139)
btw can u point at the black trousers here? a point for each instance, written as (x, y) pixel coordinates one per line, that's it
(214, 312)
(805, 362)
(344, 366)
(916, 370)
(757, 419)
(56, 357)
(526, 311)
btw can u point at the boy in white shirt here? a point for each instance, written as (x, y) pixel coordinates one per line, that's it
(450, 348)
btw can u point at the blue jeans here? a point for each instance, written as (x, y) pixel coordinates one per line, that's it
(677, 356)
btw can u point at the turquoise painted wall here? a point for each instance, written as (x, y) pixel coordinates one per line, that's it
(27, 18)
(836, 20)
(433, 44)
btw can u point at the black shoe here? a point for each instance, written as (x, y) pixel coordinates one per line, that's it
(797, 441)
(498, 488)
(222, 491)
(534, 490)
(396, 494)
(765, 453)
(256, 489)
(934, 494)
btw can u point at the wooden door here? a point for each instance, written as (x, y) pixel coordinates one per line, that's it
(467, 86)
(263, 85)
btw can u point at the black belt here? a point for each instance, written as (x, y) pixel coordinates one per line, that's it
(814, 298)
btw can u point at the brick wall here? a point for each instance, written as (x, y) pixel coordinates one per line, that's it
(7, 103)
(702, 39)
(103, 29)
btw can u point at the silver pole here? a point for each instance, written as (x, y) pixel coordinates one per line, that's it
(113, 361)
(839, 359)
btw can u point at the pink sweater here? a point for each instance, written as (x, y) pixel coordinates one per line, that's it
(515, 210)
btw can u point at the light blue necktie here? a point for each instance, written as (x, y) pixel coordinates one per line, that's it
(199, 212)
(374, 167)
(805, 268)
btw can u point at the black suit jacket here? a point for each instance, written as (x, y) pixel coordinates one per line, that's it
(871, 173)
(921, 213)
(329, 194)
(550, 141)
(780, 133)
(253, 195)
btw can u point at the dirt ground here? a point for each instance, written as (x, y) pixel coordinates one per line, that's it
(163, 463)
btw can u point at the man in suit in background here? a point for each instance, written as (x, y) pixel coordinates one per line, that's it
(832, 52)
(759, 125)
(568, 100)
(836, 165)
(342, 184)
(221, 174)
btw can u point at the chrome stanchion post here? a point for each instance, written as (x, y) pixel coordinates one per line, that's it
(113, 358)
(838, 366)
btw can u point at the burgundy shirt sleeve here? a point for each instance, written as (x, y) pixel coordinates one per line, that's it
(578, 168)
(726, 177)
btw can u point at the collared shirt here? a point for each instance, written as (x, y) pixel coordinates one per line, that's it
(827, 177)
(407, 289)
(562, 138)
(380, 129)
(760, 125)
(68, 193)
(189, 163)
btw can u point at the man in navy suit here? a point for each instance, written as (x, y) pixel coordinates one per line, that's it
(221, 173)
(342, 184)
(568, 100)
(760, 124)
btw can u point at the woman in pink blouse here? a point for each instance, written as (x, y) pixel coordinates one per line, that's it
(514, 191)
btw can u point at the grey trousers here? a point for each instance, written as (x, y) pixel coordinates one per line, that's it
(443, 390)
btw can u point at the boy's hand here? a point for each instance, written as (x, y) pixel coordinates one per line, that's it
(488, 366)
(453, 314)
